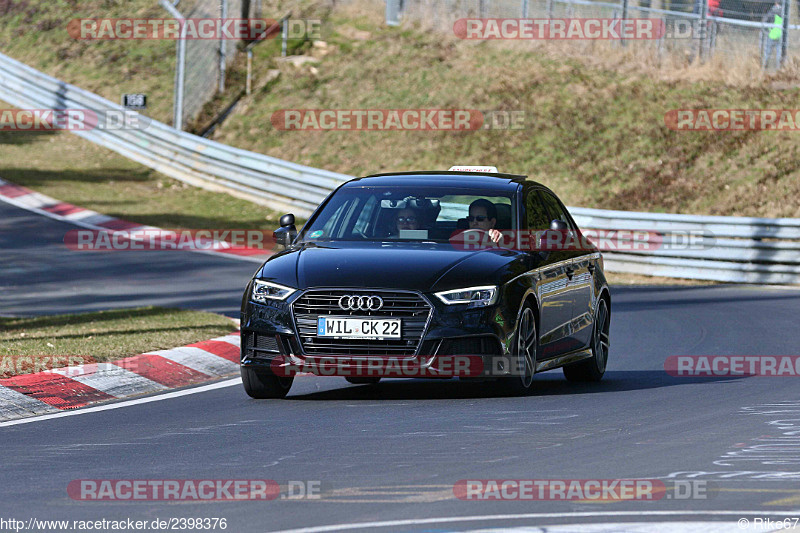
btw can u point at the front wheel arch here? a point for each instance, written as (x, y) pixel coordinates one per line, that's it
(528, 299)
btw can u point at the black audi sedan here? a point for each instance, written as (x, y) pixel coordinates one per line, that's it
(416, 268)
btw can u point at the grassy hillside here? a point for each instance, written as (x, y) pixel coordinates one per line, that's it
(35, 32)
(595, 133)
(594, 128)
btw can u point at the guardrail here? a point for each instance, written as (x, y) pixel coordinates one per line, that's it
(733, 249)
(278, 184)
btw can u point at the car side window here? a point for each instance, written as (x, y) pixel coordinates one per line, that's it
(556, 210)
(327, 229)
(341, 219)
(537, 215)
(365, 222)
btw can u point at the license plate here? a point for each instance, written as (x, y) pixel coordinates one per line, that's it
(358, 328)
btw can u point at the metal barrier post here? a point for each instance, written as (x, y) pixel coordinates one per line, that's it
(392, 12)
(525, 8)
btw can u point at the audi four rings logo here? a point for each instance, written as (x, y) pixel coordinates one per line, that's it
(360, 303)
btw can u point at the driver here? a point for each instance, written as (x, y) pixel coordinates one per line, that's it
(483, 215)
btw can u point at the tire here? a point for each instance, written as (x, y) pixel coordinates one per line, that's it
(526, 349)
(594, 368)
(264, 385)
(363, 381)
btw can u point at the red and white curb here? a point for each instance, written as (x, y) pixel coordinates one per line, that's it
(29, 200)
(78, 386)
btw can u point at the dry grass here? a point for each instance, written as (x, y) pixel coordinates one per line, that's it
(104, 335)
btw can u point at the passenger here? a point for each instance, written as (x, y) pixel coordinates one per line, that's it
(406, 219)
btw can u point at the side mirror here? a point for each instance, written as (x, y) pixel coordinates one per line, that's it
(553, 239)
(287, 232)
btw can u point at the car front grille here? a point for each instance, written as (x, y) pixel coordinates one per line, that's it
(408, 306)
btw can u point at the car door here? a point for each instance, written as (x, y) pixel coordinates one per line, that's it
(553, 288)
(579, 276)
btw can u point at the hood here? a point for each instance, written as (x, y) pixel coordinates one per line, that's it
(414, 266)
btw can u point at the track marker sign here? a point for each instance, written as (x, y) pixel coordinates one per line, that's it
(134, 101)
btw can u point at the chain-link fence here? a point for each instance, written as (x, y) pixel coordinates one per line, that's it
(742, 30)
(202, 62)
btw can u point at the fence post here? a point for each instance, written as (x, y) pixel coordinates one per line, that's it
(712, 38)
(284, 35)
(785, 36)
(249, 84)
(703, 4)
(223, 14)
(180, 67)
(622, 22)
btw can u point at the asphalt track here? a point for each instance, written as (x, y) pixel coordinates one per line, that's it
(393, 452)
(40, 275)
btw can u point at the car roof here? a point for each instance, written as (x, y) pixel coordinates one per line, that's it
(478, 180)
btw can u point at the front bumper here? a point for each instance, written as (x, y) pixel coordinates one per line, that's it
(456, 342)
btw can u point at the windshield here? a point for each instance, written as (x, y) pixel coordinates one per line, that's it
(396, 213)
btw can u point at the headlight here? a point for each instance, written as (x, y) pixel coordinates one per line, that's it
(474, 296)
(264, 290)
